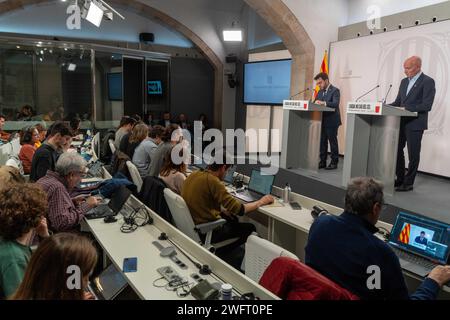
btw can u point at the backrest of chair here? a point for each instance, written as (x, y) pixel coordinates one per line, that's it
(135, 176)
(259, 253)
(112, 146)
(181, 214)
(291, 279)
(96, 144)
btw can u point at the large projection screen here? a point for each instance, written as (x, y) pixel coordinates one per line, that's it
(360, 64)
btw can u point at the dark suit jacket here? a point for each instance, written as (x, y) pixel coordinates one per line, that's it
(332, 98)
(420, 99)
(424, 241)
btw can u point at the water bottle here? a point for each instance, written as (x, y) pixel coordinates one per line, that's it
(287, 193)
(226, 291)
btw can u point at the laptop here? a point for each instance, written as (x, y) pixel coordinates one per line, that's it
(229, 178)
(259, 186)
(113, 207)
(420, 243)
(108, 285)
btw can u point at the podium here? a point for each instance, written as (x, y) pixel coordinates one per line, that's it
(302, 122)
(372, 142)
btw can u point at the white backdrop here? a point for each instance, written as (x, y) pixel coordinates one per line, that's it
(360, 64)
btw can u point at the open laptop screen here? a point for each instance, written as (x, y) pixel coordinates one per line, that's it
(422, 236)
(119, 198)
(261, 183)
(110, 283)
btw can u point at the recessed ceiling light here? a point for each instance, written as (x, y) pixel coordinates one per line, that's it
(232, 35)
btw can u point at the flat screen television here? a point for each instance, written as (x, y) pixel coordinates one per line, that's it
(267, 82)
(154, 87)
(115, 86)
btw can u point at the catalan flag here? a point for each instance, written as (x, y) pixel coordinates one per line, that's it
(323, 68)
(405, 234)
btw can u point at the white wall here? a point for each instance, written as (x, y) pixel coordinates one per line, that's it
(358, 8)
(321, 20)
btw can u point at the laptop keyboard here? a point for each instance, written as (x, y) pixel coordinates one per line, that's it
(427, 264)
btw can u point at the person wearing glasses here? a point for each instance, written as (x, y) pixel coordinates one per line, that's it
(65, 213)
(28, 139)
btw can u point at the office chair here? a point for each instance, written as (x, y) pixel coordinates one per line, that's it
(259, 254)
(96, 145)
(183, 221)
(135, 176)
(111, 146)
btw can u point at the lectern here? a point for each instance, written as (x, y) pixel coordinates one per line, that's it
(302, 122)
(372, 141)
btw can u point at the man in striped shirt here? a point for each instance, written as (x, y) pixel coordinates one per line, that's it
(65, 213)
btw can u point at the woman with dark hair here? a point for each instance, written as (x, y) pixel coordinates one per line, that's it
(25, 114)
(174, 174)
(22, 211)
(75, 126)
(28, 138)
(54, 264)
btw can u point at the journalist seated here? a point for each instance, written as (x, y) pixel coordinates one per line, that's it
(208, 200)
(343, 248)
(65, 213)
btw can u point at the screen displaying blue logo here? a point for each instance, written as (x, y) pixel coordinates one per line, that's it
(154, 87)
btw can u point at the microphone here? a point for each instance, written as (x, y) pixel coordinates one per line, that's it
(307, 89)
(368, 93)
(389, 91)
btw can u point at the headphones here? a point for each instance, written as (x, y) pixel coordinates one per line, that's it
(318, 211)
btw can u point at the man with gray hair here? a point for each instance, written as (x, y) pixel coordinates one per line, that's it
(344, 249)
(416, 94)
(65, 213)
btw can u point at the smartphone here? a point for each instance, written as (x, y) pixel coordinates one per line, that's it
(129, 265)
(295, 206)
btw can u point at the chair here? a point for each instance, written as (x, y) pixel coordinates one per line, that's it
(135, 176)
(183, 220)
(112, 146)
(96, 145)
(290, 279)
(259, 254)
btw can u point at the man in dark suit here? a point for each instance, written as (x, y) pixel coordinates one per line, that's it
(328, 96)
(416, 94)
(421, 239)
(166, 121)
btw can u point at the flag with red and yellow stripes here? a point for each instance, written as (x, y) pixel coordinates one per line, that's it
(323, 68)
(405, 234)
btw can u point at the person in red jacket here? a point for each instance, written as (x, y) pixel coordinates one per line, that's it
(28, 139)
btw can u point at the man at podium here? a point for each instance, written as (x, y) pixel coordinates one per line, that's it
(328, 96)
(416, 94)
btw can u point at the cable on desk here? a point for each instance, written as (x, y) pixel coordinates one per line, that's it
(135, 220)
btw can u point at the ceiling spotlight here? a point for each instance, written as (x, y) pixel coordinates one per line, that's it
(18, 47)
(94, 11)
(40, 59)
(71, 67)
(94, 14)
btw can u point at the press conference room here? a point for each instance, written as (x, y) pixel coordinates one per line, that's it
(224, 151)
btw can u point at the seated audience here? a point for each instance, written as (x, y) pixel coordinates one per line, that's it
(173, 174)
(206, 195)
(144, 152)
(126, 125)
(166, 121)
(183, 122)
(342, 248)
(42, 129)
(25, 114)
(130, 142)
(4, 136)
(171, 136)
(22, 216)
(75, 124)
(45, 157)
(51, 269)
(28, 139)
(65, 213)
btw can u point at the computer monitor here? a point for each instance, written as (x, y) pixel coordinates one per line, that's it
(230, 175)
(261, 183)
(421, 235)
